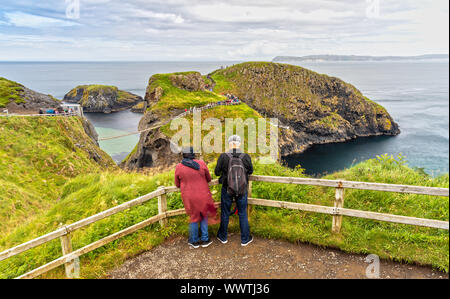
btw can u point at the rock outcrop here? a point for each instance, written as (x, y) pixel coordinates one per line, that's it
(191, 82)
(18, 99)
(153, 149)
(139, 107)
(102, 98)
(312, 108)
(317, 108)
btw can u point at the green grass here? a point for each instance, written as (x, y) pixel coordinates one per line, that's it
(390, 241)
(174, 98)
(221, 113)
(10, 91)
(332, 122)
(90, 194)
(37, 157)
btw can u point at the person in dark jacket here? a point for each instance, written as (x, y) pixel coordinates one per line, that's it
(192, 177)
(226, 199)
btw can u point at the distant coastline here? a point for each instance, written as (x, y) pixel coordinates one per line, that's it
(319, 58)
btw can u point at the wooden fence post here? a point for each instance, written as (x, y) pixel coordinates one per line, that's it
(338, 203)
(66, 245)
(162, 207)
(249, 195)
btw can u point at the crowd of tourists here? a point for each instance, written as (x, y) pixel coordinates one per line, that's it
(56, 111)
(230, 100)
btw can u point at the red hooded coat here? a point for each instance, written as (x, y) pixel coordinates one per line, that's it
(195, 193)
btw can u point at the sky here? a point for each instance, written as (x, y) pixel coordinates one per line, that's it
(202, 30)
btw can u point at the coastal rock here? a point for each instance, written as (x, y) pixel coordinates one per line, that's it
(153, 94)
(139, 107)
(102, 98)
(191, 82)
(317, 108)
(89, 129)
(16, 98)
(311, 109)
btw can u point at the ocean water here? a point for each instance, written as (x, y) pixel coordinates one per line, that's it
(416, 94)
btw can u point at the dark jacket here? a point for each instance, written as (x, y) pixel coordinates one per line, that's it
(222, 166)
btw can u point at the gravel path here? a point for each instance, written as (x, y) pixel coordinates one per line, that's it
(261, 259)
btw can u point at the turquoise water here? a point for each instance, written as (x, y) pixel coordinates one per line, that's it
(416, 94)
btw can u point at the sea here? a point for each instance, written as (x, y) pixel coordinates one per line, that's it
(415, 93)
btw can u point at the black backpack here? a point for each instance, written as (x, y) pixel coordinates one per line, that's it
(237, 175)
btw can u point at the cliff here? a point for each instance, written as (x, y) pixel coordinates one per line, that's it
(167, 95)
(312, 108)
(102, 98)
(317, 108)
(17, 98)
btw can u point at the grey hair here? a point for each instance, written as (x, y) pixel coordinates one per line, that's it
(234, 139)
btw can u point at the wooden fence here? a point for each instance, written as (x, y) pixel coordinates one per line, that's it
(337, 211)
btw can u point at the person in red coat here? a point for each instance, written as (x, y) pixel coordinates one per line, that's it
(192, 177)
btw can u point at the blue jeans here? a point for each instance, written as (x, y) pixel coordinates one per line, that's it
(226, 201)
(193, 231)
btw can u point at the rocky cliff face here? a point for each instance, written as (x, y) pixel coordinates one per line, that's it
(17, 98)
(153, 149)
(317, 108)
(312, 108)
(190, 82)
(101, 98)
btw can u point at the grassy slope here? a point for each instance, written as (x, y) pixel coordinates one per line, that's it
(37, 157)
(9, 91)
(87, 195)
(176, 98)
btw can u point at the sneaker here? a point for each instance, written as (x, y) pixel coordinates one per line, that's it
(222, 241)
(206, 243)
(194, 245)
(248, 242)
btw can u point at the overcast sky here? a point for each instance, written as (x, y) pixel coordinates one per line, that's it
(219, 29)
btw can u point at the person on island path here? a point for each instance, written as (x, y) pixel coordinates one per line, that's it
(192, 177)
(234, 167)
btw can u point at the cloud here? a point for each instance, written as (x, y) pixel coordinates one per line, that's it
(224, 12)
(220, 29)
(170, 17)
(257, 48)
(21, 19)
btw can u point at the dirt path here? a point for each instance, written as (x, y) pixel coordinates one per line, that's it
(261, 259)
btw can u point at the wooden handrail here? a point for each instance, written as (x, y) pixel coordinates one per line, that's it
(77, 225)
(354, 185)
(337, 212)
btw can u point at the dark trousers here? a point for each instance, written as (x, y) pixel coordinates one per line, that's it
(226, 201)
